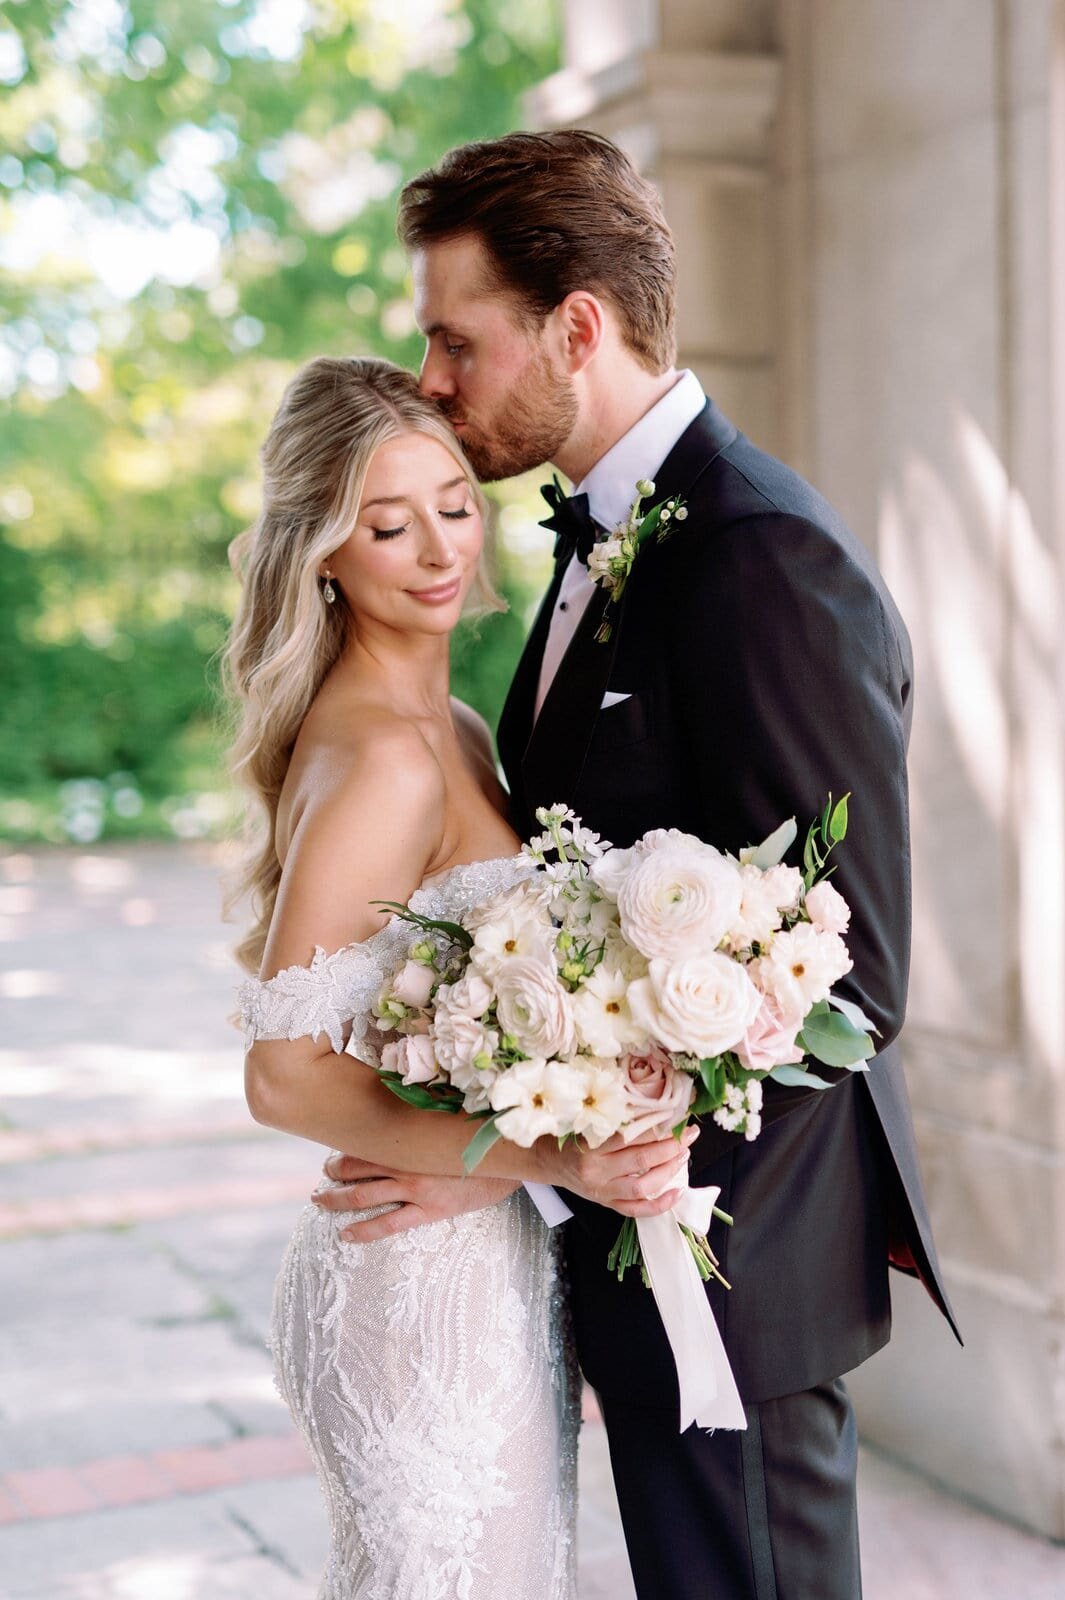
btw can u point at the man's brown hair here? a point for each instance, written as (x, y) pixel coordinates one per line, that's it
(557, 212)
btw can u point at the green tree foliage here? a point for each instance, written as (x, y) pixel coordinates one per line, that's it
(196, 195)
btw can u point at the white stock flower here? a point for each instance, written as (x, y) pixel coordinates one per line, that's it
(800, 967)
(533, 1007)
(535, 1097)
(742, 1110)
(703, 1005)
(601, 1011)
(604, 1102)
(677, 898)
(827, 909)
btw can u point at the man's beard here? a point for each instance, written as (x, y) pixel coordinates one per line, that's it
(535, 420)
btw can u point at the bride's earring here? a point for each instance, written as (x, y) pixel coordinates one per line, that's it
(329, 594)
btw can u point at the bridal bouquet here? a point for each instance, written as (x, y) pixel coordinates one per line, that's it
(627, 991)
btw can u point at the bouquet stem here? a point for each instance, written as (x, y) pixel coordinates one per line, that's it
(627, 1253)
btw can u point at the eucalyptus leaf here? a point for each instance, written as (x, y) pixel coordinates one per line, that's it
(833, 1039)
(480, 1144)
(772, 851)
(854, 1014)
(795, 1077)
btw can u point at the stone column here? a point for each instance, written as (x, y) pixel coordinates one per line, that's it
(869, 201)
(689, 89)
(922, 360)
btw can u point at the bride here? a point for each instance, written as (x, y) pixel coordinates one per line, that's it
(429, 1371)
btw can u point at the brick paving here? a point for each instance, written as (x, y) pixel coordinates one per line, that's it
(144, 1454)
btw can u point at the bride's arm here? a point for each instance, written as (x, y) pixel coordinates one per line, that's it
(370, 835)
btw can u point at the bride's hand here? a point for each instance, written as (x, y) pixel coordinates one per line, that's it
(418, 1199)
(641, 1179)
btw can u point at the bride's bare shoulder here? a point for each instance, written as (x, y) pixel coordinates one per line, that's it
(341, 769)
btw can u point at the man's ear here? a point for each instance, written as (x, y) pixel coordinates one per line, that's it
(581, 325)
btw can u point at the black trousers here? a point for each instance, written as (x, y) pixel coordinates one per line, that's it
(770, 1514)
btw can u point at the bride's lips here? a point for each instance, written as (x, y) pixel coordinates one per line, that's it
(438, 596)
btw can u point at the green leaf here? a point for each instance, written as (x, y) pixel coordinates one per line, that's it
(418, 1094)
(480, 1144)
(795, 1076)
(837, 825)
(832, 1038)
(454, 931)
(712, 1072)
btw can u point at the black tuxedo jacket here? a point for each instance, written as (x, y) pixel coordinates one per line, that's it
(766, 666)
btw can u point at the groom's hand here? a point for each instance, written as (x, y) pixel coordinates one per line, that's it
(641, 1179)
(418, 1199)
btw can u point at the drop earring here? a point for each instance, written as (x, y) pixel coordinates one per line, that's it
(329, 594)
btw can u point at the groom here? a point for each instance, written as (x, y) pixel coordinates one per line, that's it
(755, 665)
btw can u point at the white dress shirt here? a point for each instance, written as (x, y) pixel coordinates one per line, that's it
(610, 487)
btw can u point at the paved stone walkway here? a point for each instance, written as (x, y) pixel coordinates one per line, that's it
(143, 1452)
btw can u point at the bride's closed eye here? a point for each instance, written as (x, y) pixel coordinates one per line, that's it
(452, 516)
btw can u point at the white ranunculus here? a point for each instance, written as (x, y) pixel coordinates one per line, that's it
(827, 909)
(533, 1007)
(535, 1097)
(801, 966)
(605, 1024)
(702, 1005)
(521, 930)
(603, 1101)
(678, 899)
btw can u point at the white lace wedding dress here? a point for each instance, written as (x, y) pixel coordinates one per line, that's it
(431, 1374)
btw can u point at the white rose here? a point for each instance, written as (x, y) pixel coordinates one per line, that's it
(800, 968)
(677, 898)
(759, 914)
(602, 554)
(601, 1011)
(701, 1006)
(611, 870)
(459, 1037)
(412, 983)
(786, 886)
(472, 994)
(412, 1058)
(827, 909)
(536, 1097)
(533, 1007)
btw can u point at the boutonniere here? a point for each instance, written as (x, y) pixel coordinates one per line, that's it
(612, 557)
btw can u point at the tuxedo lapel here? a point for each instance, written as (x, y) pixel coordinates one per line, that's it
(555, 754)
(516, 719)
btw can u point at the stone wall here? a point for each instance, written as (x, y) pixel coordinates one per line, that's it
(869, 199)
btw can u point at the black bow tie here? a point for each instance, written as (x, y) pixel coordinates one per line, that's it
(570, 521)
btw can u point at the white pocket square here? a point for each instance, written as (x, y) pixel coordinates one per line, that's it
(613, 699)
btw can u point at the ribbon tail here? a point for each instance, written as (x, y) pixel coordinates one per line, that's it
(708, 1393)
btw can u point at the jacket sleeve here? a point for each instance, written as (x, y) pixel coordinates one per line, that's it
(789, 679)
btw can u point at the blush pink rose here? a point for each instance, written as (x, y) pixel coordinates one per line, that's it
(770, 1040)
(412, 1058)
(412, 983)
(659, 1094)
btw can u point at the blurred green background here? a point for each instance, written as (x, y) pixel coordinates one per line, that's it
(196, 195)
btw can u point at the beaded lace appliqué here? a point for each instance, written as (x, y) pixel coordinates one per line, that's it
(431, 1374)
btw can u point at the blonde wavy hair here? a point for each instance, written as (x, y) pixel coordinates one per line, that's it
(333, 416)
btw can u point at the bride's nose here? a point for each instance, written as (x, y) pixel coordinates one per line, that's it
(438, 550)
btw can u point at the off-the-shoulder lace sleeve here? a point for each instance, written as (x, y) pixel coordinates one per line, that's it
(305, 1002)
